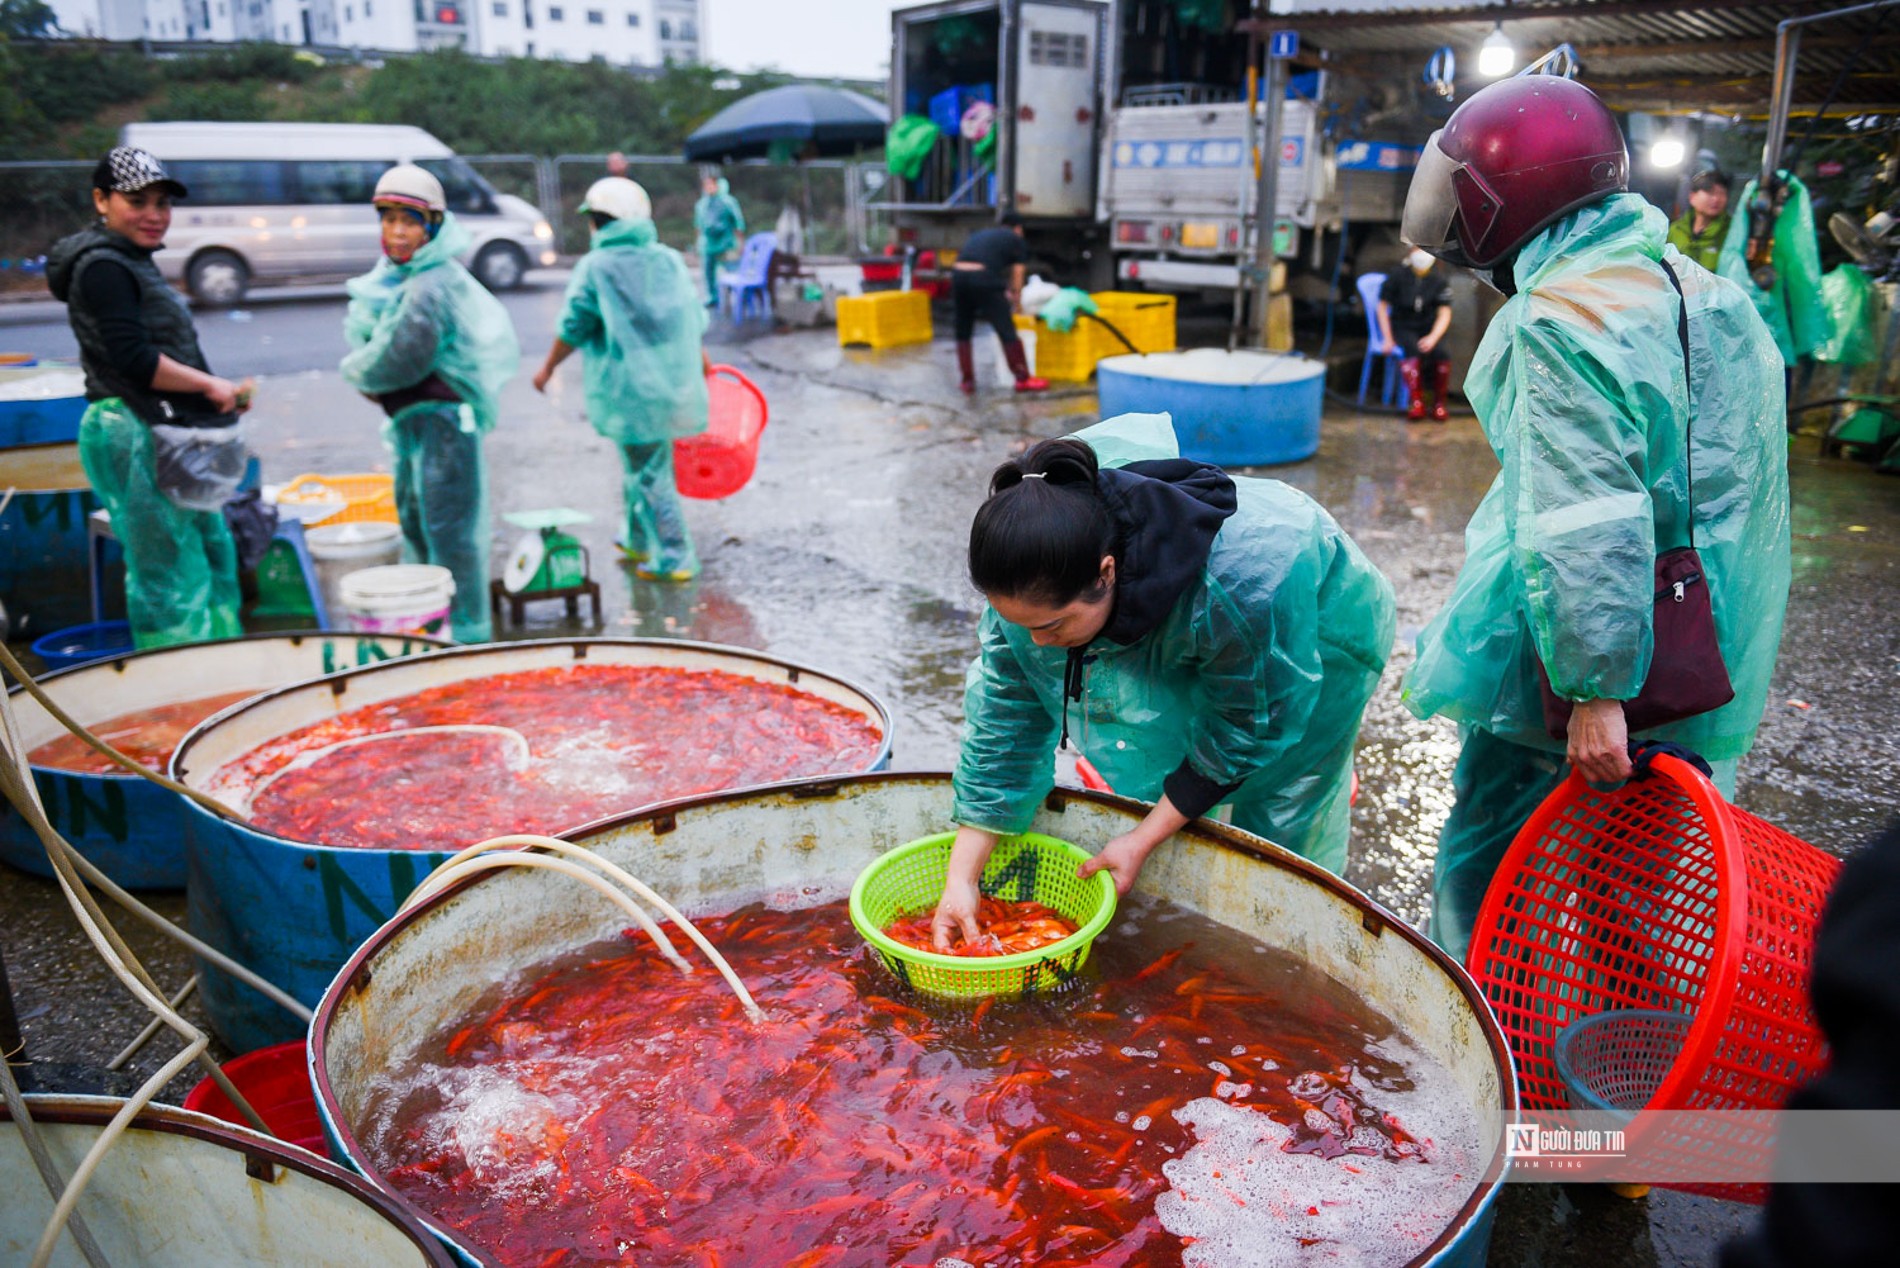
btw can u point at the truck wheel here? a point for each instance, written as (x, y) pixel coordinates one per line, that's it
(218, 278)
(500, 266)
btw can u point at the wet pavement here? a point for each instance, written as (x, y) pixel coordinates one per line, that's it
(846, 552)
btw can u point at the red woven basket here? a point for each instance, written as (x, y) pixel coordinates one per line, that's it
(1660, 895)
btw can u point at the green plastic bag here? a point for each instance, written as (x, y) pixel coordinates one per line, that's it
(1064, 307)
(1796, 314)
(1849, 297)
(908, 144)
(985, 148)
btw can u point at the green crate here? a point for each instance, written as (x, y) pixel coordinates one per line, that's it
(1032, 867)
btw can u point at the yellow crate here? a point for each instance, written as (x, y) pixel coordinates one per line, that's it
(367, 497)
(1148, 320)
(884, 319)
(1066, 358)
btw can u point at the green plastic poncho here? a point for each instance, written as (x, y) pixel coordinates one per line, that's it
(908, 144)
(181, 572)
(718, 221)
(404, 323)
(1849, 297)
(1792, 307)
(1257, 676)
(407, 321)
(632, 313)
(1064, 307)
(1578, 384)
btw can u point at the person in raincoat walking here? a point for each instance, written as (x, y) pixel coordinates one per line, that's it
(144, 369)
(720, 223)
(433, 348)
(1581, 388)
(631, 313)
(1205, 640)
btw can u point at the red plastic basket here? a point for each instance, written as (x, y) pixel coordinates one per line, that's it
(1660, 895)
(276, 1081)
(719, 461)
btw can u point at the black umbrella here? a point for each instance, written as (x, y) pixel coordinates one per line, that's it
(836, 121)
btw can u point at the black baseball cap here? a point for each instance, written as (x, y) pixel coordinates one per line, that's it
(128, 169)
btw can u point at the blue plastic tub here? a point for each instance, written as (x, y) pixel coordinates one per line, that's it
(1235, 409)
(43, 574)
(30, 413)
(294, 911)
(80, 644)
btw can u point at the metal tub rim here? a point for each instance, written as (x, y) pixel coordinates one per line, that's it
(296, 638)
(796, 670)
(257, 1148)
(1375, 918)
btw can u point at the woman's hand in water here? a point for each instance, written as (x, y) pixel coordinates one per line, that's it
(956, 910)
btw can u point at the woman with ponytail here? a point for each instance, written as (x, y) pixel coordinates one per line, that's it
(1203, 639)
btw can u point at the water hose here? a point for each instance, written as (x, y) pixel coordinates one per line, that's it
(304, 761)
(1109, 326)
(503, 852)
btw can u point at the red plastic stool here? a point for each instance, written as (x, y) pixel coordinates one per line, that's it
(1660, 895)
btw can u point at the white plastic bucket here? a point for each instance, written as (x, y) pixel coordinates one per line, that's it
(341, 549)
(399, 599)
(1006, 377)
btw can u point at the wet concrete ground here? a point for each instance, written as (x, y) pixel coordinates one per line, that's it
(846, 551)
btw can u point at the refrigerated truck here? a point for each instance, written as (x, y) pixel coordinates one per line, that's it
(1157, 190)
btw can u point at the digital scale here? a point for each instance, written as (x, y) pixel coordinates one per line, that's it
(545, 563)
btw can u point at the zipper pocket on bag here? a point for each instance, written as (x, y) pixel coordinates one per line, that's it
(1675, 589)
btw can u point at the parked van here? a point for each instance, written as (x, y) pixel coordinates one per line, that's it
(271, 201)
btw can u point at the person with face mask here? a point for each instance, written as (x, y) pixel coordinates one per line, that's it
(1414, 314)
(433, 349)
(1205, 640)
(146, 377)
(1633, 401)
(632, 314)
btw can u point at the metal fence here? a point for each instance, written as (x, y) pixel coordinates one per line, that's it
(837, 201)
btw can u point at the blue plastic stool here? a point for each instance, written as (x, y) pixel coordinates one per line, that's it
(290, 532)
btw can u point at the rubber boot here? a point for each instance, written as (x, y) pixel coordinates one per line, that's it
(966, 367)
(1019, 366)
(1441, 389)
(1408, 375)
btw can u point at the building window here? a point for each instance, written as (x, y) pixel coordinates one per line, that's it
(500, 9)
(366, 4)
(633, 19)
(596, 17)
(689, 30)
(666, 29)
(555, 13)
(349, 14)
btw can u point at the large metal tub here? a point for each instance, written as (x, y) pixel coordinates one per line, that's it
(294, 912)
(180, 1190)
(425, 970)
(128, 826)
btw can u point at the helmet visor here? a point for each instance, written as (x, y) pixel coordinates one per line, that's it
(1432, 202)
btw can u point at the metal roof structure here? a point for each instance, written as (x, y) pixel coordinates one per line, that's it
(1651, 55)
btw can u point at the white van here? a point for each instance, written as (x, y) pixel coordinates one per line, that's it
(284, 200)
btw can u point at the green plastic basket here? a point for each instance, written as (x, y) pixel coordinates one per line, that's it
(1031, 867)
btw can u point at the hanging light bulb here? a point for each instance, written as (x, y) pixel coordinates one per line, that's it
(1495, 55)
(1667, 151)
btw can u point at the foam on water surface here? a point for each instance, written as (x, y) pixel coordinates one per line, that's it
(1242, 368)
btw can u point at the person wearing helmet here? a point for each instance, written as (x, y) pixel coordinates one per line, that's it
(1581, 388)
(431, 346)
(145, 370)
(633, 314)
(720, 224)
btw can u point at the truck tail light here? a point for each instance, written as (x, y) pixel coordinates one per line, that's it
(1131, 231)
(1167, 233)
(1233, 235)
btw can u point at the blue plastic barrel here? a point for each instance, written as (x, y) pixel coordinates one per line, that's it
(128, 826)
(43, 575)
(294, 912)
(1236, 409)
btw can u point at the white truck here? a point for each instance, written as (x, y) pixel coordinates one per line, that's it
(1127, 150)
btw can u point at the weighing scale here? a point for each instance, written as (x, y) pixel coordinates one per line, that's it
(545, 563)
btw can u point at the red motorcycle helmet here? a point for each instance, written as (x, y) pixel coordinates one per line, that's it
(1510, 160)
